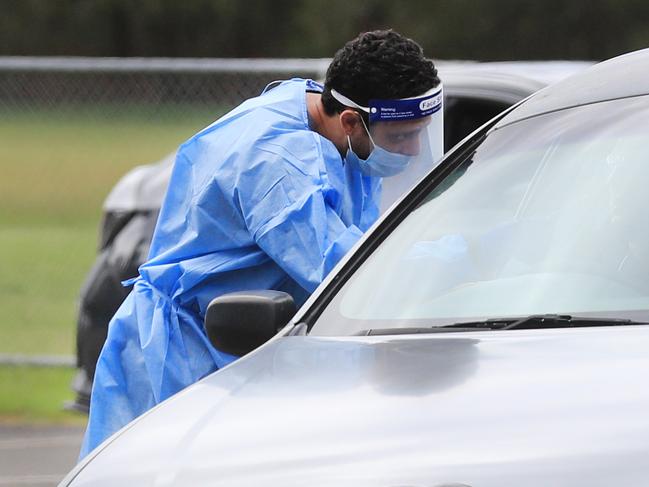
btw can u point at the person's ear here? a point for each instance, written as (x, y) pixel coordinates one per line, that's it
(350, 121)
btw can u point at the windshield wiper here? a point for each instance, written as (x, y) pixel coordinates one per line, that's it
(531, 322)
(543, 321)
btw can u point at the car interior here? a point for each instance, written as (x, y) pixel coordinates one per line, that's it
(463, 115)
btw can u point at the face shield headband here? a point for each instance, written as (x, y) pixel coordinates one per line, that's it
(401, 109)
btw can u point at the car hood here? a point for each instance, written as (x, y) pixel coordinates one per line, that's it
(534, 408)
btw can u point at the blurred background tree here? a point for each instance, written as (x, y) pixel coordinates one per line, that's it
(458, 29)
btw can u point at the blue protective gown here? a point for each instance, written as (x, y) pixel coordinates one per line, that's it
(256, 200)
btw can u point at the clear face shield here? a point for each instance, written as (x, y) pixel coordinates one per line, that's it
(406, 140)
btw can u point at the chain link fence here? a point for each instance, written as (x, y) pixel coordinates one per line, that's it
(151, 86)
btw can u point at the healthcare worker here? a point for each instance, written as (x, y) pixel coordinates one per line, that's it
(270, 196)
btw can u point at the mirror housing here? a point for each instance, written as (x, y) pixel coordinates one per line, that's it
(237, 323)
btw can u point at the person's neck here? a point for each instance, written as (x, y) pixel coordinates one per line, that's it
(327, 126)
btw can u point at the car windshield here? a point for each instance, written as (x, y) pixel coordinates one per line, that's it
(547, 216)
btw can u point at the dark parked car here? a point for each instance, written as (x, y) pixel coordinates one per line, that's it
(491, 330)
(474, 93)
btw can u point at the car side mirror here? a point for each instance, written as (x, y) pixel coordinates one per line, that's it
(237, 323)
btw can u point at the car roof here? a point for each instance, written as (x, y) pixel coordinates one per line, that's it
(507, 82)
(546, 72)
(621, 77)
(142, 188)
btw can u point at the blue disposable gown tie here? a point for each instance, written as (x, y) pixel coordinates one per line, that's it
(256, 200)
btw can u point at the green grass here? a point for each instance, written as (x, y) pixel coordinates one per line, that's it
(43, 269)
(57, 167)
(36, 395)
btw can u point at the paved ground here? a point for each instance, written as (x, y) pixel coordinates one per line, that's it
(37, 456)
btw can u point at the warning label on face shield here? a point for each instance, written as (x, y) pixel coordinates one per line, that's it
(406, 109)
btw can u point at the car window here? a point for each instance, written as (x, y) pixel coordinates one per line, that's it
(464, 115)
(548, 215)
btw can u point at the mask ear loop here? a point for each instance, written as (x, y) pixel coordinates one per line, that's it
(367, 131)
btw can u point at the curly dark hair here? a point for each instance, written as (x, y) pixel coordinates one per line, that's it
(380, 64)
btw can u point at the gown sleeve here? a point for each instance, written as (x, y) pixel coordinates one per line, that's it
(284, 203)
